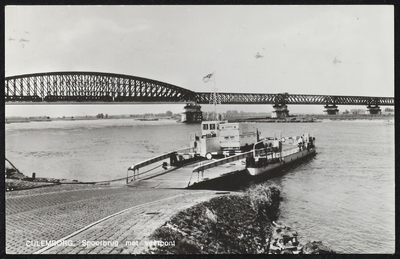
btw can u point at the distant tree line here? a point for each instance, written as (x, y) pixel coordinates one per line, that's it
(168, 114)
(102, 116)
(357, 111)
(234, 114)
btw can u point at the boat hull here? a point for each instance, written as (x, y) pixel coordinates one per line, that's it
(229, 182)
(263, 170)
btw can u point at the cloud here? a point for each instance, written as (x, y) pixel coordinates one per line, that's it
(179, 44)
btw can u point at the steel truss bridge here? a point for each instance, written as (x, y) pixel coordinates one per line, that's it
(89, 87)
(285, 98)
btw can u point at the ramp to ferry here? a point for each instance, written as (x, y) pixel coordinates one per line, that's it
(175, 177)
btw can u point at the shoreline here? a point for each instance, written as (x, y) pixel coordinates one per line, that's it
(317, 118)
(16, 180)
(298, 118)
(11, 120)
(13, 184)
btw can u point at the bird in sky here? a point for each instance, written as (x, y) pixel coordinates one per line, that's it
(258, 55)
(336, 61)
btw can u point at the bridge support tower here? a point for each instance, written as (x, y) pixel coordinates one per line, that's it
(281, 110)
(374, 109)
(192, 113)
(280, 106)
(331, 109)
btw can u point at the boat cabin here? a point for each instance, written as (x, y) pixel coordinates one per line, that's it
(218, 136)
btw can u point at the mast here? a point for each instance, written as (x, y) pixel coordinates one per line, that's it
(215, 102)
(213, 96)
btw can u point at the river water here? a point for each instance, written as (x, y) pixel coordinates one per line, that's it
(344, 196)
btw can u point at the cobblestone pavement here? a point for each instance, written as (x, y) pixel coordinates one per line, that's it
(36, 215)
(128, 232)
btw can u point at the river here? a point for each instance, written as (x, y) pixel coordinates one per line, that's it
(344, 196)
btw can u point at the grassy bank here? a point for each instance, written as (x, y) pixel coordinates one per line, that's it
(233, 224)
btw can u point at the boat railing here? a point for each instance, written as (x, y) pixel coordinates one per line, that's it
(222, 161)
(202, 166)
(185, 151)
(191, 152)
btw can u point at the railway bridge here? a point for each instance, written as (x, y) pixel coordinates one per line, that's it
(91, 87)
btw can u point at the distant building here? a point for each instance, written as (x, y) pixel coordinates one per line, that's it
(388, 111)
(357, 111)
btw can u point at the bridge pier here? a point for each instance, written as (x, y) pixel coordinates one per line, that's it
(331, 109)
(192, 113)
(374, 109)
(281, 110)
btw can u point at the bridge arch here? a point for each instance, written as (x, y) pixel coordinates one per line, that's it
(91, 86)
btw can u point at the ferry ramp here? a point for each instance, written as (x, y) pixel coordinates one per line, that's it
(181, 177)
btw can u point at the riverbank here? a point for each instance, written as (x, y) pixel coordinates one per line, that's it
(29, 183)
(300, 118)
(233, 224)
(16, 180)
(17, 184)
(312, 118)
(9, 120)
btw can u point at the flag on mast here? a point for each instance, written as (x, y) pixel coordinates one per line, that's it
(207, 77)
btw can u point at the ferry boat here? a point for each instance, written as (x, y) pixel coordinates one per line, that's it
(243, 141)
(275, 153)
(223, 150)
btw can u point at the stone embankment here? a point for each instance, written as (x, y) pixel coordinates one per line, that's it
(284, 240)
(16, 180)
(233, 224)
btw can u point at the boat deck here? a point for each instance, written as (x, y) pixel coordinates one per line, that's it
(155, 176)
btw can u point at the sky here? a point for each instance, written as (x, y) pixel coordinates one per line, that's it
(321, 49)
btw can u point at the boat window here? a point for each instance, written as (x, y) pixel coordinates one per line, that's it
(205, 126)
(212, 126)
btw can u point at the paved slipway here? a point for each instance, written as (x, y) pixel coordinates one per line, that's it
(73, 214)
